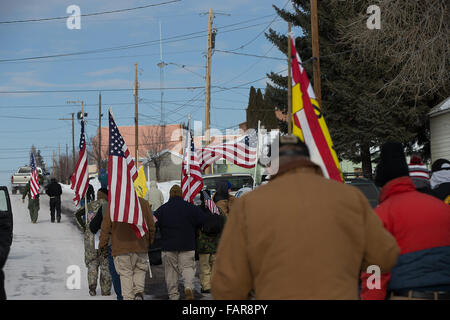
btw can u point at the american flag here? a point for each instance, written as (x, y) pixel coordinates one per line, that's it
(123, 201)
(79, 178)
(210, 203)
(34, 182)
(191, 175)
(242, 152)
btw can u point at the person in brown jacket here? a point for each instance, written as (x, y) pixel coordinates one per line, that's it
(300, 236)
(130, 253)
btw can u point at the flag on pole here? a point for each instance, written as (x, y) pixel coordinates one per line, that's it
(242, 153)
(140, 184)
(34, 181)
(79, 178)
(210, 203)
(309, 123)
(123, 201)
(191, 175)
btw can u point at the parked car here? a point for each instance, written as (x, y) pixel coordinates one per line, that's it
(6, 234)
(20, 179)
(368, 188)
(237, 181)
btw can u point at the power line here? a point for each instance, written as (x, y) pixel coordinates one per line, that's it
(90, 14)
(177, 38)
(251, 55)
(260, 33)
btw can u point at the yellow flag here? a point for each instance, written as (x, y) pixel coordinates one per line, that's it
(140, 184)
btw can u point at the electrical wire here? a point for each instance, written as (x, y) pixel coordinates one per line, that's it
(90, 14)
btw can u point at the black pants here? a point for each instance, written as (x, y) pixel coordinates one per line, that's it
(55, 203)
(2, 286)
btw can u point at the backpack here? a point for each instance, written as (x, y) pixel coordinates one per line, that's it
(213, 225)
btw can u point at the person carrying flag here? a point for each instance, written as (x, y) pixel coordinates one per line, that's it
(32, 190)
(208, 237)
(128, 218)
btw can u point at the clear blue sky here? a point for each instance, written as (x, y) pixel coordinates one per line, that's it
(32, 118)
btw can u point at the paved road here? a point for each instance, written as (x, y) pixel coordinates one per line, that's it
(155, 287)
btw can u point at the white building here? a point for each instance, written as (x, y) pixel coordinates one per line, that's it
(440, 130)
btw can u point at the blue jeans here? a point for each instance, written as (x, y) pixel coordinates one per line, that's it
(115, 277)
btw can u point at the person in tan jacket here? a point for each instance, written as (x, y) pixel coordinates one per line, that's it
(300, 236)
(130, 253)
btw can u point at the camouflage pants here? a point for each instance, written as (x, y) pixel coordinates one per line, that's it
(94, 266)
(33, 207)
(206, 262)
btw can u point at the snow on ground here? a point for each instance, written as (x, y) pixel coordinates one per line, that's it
(41, 253)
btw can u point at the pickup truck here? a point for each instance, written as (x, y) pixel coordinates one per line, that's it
(20, 179)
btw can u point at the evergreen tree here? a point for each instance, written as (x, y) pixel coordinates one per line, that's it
(260, 109)
(252, 110)
(358, 116)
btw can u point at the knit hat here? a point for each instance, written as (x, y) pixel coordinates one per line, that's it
(439, 165)
(175, 191)
(415, 160)
(392, 163)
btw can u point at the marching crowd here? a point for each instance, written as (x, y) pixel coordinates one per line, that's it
(300, 236)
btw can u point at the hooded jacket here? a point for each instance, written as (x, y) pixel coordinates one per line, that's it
(300, 236)
(154, 196)
(421, 225)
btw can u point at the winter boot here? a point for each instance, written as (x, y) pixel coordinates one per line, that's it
(139, 296)
(189, 294)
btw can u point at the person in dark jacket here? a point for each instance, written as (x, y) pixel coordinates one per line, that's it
(178, 221)
(440, 180)
(207, 242)
(90, 195)
(6, 236)
(420, 223)
(54, 191)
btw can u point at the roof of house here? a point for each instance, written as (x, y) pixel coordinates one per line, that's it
(441, 108)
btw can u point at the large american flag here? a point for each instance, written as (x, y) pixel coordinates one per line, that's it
(241, 152)
(79, 178)
(210, 203)
(34, 181)
(191, 175)
(123, 201)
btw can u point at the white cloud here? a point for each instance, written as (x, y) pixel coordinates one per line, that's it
(103, 72)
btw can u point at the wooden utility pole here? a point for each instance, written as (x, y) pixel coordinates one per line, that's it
(67, 163)
(289, 81)
(136, 114)
(208, 83)
(315, 51)
(59, 162)
(99, 160)
(73, 140)
(53, 167)
(73, 137)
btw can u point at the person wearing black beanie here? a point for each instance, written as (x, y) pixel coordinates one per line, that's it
(392, 163)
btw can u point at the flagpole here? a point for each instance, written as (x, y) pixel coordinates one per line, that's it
(257, 151)
(87, 166)
(188, 144)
